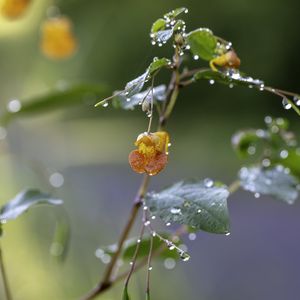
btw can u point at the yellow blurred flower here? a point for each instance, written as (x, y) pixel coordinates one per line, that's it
(57, 38)
(152, 153)
(14, 9)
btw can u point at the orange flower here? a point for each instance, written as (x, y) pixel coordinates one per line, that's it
(14, 9)
(58, 40)
(152, 153)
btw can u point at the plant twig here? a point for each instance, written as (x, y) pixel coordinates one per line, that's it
(4, 278)
(106, 282)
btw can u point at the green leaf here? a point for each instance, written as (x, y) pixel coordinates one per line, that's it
(130, 246)
(23, 201)
(163, 36)
(136, 85)
(274, 181)
(121, 101)
(83, 94)
(175, 12)
(157, 64)
(292, 161)
(202, 43)
(243, 140)
(230, 77)
(158, 25)
(199, 204)
(125, 293)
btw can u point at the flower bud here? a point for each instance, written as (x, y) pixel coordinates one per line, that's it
(57, 38)
(13, 9)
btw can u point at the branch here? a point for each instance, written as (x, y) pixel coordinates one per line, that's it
(4, 278)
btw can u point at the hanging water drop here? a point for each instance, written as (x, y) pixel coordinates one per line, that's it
(196, 57)
(211, 82)
(168, 224)
(257, 195)
(105, 104)
(297, 100)
(286, 104)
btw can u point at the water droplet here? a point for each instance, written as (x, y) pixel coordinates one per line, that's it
(257, 195)
(138, 241)
(150, 268)
(131, 263)
(105, 258)
(268, 120)
(196, 57)
(147, 223)
(266, 162)
(14, 106)
(169, 263)
(284, 154)
(153, 217)
(231, 85)
(228, 233)
(3, 133)
(286, 104)
(105, 104)
(250, 86)
(208, 182)
(211, 82)
(192, 236)
(153, 43)
(262, 87)
(297, 100)
(169, 145)
(153, 233)
(199, 211)
(160, 44)
(175, 210)
(186, 11)
(168, 224)
(56, 180)
(251, 150)
(145, 207)
(127, 99)
(187, 47)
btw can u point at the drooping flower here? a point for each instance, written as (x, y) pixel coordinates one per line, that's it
(13, 9)
(151, 155)
(57, 38)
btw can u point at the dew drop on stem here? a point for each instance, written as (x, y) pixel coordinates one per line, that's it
(286, 104)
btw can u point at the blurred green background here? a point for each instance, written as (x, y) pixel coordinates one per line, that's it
(89, 147)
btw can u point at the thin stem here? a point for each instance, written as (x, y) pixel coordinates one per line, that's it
(4, 278)
(149, 268)
(133, 262)
(106, 282)
(282, 93)
(233, 187)
(151, 109)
